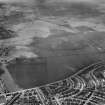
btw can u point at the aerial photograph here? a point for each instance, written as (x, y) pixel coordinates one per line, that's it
(52, 52)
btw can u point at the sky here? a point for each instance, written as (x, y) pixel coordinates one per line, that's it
(29, 1)
(19, 1)
(16, 0)
(50, 1)
(91, 1)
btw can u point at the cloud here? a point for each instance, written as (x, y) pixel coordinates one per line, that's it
(18, 1)
(91, 1)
